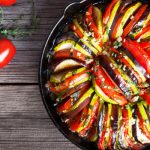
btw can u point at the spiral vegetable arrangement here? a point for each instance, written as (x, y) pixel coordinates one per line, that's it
(100, 75)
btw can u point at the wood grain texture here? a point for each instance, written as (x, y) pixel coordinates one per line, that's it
(24, 67)
(24, 122)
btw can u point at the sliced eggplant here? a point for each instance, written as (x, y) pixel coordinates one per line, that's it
(72, 54)
(101, 94)
(79, 105)
(74, 89)
(65, 65)
(87, 39)
(134, 63)
(71, 44)
(71, 100)
(67, 36)
(69, 83)
(97, 17)
(125, 67)
(101, 126)
(92, 112)
(121, 79)
(114, 124)
(110, 21)
(141, 23)
(118, 29)
(118, 141)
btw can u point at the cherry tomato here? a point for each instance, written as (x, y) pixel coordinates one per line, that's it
(7, 2)
(7, 52)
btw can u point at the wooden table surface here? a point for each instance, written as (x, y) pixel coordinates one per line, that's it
(24, 122)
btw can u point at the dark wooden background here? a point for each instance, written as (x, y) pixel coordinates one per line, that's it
(24, 122)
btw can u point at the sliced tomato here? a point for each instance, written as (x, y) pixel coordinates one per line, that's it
(64, 106)
(108, 10)
(101, 142)
(142, 125)
(146, 96)
(91, 116)
(77, 120)
(123, 18)
(76, 30)
(69, 82)
(145, 45)
(108, 86)
(90, 21)
(142, 32)
(136, 18)
(70, 53)
(140, 55)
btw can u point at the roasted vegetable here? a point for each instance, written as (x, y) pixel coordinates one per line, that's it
(99, 75)
(108, 87)
(140, 55)
(118, 29)
(134, 20)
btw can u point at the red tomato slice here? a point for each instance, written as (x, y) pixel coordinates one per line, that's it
(7, 52)
(76, 30)
(108, 11)
(7, 2)
(140, 55)
(109, 87)
(146, 29)
(136, 18)
(90, 22)
(146, 97)
(145, 45)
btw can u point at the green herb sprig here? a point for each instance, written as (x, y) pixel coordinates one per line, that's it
(15, 31)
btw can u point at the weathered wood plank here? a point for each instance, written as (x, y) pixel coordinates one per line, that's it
(20, 102)
(25, 65)
(24, 123)
(39, 134)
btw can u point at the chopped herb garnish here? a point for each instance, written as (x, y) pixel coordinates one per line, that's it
(91, 107)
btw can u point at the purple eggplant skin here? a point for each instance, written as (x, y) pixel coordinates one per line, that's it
(114, 123)
(138, 26)
(125, 68)
(136, 63)
(81, 20)
(121, 141)
(134, 129)
(58, 98)
(124, 4)
(106, 64)
(74, 89)
(86, 48)
(71, 36)
(102, 115)
(66, 36)
(56, 63)
(73, 113)
(147, 112)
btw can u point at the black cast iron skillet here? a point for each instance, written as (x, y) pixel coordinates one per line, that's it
(69, 12)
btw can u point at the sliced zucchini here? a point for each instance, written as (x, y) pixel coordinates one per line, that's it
(71, 44)
(126, 16)
(101, 94)
(110, 22)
